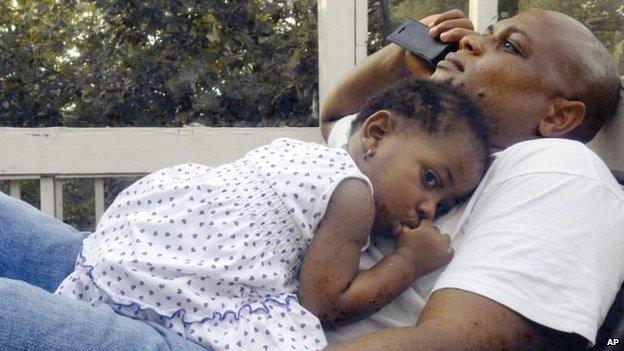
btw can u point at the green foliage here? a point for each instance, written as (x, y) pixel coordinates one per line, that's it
(158, 63)
(79, 199)
(29, 190)
(79, 203)
(420, 9)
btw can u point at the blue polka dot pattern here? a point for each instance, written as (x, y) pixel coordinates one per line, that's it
(214, 253)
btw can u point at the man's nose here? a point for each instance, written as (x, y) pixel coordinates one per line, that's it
(472, 44)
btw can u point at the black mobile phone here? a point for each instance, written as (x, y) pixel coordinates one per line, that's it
(414, 36)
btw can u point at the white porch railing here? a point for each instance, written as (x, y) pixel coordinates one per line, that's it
(52, 154)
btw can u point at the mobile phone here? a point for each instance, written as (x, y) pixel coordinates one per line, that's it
(414, 36)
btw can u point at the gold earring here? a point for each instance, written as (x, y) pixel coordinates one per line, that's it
(369, 153)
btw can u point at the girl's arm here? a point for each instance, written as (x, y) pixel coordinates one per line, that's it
(331, 285)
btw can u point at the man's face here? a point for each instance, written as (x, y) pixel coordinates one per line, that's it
(511, 71)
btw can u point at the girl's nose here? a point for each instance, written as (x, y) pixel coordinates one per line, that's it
(427, 209)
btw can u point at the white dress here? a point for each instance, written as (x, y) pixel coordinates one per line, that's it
(214, 253)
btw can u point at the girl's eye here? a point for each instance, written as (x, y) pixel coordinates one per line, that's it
(430, 179)
(442, 209)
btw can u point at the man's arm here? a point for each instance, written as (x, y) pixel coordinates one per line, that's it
(387, 67)
(377, 72)
(459, 320)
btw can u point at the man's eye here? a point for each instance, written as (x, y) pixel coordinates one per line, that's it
(430, 179)
(508, 46)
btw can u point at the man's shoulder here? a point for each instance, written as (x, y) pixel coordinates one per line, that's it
(550, 155)
(551, 149)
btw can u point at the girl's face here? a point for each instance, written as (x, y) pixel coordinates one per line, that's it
(416, 175)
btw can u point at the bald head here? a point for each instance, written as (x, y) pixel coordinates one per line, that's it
(537, 74)
(582, 69)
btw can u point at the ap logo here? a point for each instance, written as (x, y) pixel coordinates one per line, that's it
(613, 342)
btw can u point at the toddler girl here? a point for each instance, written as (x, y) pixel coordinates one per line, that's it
(250, 255)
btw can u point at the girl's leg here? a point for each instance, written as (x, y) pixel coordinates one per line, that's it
(34, 247)
(34, 319)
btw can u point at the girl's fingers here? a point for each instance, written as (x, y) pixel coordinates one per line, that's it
(427, 224)
(397, 228)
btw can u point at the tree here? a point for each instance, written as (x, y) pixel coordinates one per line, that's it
(158, 63)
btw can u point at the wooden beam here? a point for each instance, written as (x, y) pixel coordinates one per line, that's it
(14, 189)
(99, 199)
(342, 40)
(47, 194)
(58, 199)
(97, 151)
(482, 13)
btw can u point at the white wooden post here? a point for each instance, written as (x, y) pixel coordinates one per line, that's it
(51, 196)
(58, 199)
(14, 189)
(482, 13)
(99, 199)
(361, 30)
(342, 40)
(47, 193)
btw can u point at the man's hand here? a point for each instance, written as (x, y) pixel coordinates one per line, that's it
(425, 246)
(450, 26)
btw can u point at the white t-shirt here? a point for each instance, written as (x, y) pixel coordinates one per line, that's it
(543, 234)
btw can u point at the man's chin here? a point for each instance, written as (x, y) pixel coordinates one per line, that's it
(442, 76)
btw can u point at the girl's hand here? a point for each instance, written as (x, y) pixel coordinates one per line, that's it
(451, 26)
(425, 246)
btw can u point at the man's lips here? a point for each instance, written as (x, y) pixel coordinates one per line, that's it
(451, 63)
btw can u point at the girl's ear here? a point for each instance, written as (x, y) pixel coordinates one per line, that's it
(376, 127)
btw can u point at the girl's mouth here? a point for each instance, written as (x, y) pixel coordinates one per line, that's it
(397, 227)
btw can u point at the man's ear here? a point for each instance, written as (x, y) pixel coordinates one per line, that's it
(376, 127)
(562, 118)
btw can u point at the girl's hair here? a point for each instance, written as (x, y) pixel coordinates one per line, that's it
(433, 108)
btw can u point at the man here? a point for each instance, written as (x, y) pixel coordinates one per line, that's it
(538, 258)
(456, 316)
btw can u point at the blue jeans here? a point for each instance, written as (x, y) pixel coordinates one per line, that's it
(36, 253)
